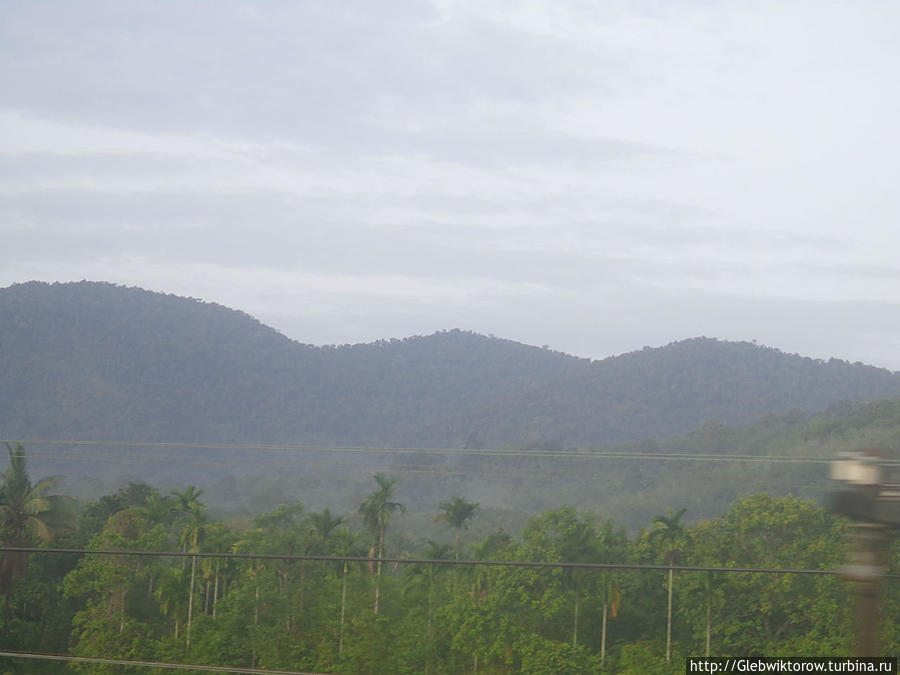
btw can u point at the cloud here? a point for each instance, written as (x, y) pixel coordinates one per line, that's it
(623, 171)
(263, 70)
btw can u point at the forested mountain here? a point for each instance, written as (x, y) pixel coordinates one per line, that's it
(97, 361)
(95, 366)
(102, 362)
(657, 393)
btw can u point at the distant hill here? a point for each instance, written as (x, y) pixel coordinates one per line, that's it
(95, 361)
(657, 393)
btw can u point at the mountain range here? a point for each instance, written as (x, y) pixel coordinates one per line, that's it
(96, 361)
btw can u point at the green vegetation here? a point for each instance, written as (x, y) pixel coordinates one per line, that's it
(98, 361)
(95, 361)
(457, 514)
(427, 617)
(704, 471)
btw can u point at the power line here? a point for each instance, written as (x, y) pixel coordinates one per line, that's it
(428, 561)
(280, 463)
(284, 456)
(554, 454)
(150, 664)
(303, 456)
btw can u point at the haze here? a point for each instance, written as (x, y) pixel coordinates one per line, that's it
(592, 176)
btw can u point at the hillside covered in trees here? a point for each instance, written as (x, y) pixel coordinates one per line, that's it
(94, 361)
(211, 600)
(182, 426)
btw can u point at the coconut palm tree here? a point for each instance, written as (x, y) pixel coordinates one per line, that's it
(27, 512)
(376, 512)
(457, 513)
(669, 530)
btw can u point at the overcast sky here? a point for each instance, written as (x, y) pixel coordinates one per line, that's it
(596, 176)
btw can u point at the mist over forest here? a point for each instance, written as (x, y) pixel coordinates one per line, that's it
(455, 338)
(116, 370)
(170, 422)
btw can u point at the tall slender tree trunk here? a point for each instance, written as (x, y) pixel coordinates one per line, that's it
(6, 612)
(302, 585)
(253, 645)
(708, 626)
(430, 599)
(603, 635)
(216, 589)
(378, 569)
(575, 623)
(187, 642)
(428, 632)
(343, 608)
(669, 619)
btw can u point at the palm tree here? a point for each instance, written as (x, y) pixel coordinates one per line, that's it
(457, 513)
(612, 543)
(158, 509)
(170, 593)
(612, 597)
(216, 539)
(187, 499)
(490, 547)
(194, 528)
(27, 512)
(669, 530)
(324, 524)
(376, 511)
(419, 577)
(343, 542)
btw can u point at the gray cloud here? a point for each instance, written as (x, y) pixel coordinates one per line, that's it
(266, 71)
(594, 177)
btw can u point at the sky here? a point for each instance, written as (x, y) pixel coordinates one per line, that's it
(592, 176)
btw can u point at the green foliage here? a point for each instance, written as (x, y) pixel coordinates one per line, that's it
(317, 616)
(457, 513)
(93, 360)
(640, 658)
(770, 614)
(118, 616)
(377, 509)
(28, 513)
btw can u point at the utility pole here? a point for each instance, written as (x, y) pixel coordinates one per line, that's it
(865, 495)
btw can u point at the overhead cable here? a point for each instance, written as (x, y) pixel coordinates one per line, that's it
(427, 561)
(149, 664)
(579, 454)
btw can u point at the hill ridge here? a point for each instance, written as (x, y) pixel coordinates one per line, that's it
(87, 359)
